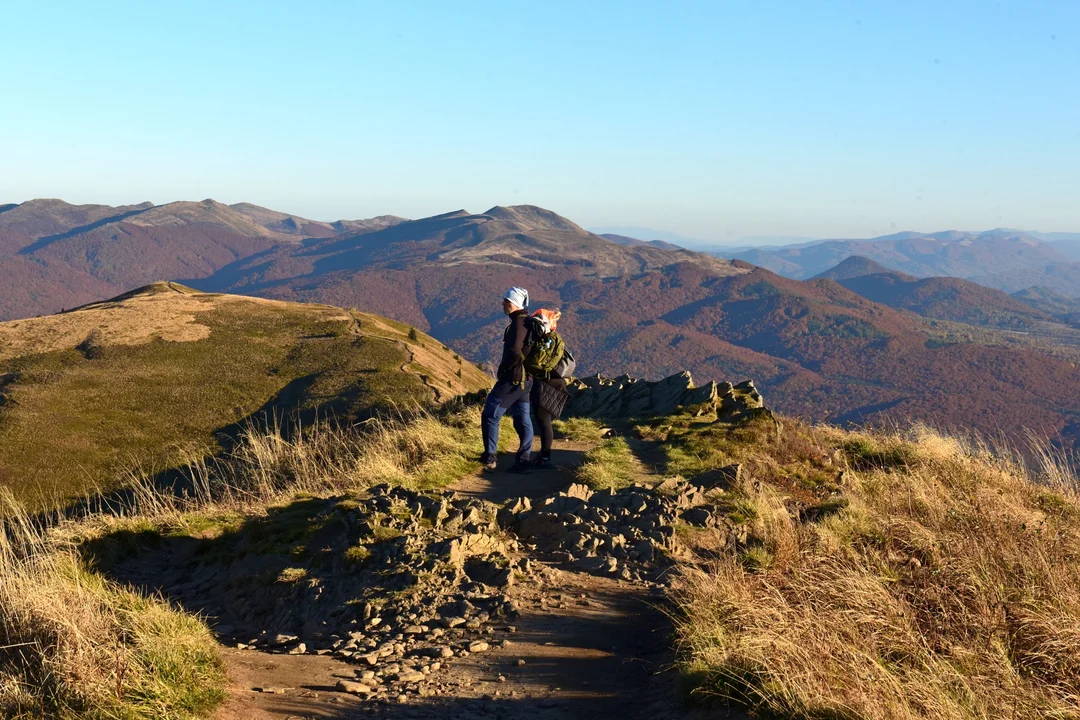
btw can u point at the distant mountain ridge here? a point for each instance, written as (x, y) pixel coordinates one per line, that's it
(816, 348)
(1004, 259)
(56, 255)
(938, 298)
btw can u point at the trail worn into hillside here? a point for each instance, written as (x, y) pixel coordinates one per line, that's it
(487, 601)
(580, 646)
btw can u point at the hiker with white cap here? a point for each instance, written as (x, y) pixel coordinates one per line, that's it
(512, 388)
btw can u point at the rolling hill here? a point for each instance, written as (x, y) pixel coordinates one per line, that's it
(165, 374)
(1065, 309)
(938, 298)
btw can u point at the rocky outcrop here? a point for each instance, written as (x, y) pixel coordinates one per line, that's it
(624, 396)
(627, 533)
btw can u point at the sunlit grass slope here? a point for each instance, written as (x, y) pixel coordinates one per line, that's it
(164, 374)
(880, 576)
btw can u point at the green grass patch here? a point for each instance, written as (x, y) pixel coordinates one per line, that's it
(580, 429)
(357, 555)
(740, 510)
(382, 533)
(865, 453)
(609, 465)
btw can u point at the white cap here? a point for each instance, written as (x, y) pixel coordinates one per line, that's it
(518, 296)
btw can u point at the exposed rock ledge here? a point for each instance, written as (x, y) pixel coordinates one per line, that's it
(624, 396)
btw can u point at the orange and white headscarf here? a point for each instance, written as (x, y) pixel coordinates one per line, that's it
(549, 319)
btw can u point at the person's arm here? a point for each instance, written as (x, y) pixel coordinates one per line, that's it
(517, 342)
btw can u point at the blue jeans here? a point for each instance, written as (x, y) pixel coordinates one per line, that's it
(502, 398)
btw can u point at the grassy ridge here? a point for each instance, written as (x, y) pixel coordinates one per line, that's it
(85, 411)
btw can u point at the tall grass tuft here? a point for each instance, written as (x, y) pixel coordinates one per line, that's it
(948, 587)
(421, 448)
(73, 644)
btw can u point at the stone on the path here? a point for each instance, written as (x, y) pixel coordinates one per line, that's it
(354, 688)
(579, 491)
(479, 646)
(468, 545)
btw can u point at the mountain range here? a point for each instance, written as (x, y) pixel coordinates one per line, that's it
(819, 348)
(55, 255)
(938, 298)
(1008, 260)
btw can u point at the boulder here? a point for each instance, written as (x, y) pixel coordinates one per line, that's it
(354, 688)
(545, 529)
(493, 571)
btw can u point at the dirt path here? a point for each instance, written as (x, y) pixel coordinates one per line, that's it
(501, 486)
(582, 647)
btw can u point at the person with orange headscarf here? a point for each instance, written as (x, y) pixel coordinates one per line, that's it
(546, 321)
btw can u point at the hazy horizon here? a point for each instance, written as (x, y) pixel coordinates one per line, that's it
(638, 232)
(710, 121)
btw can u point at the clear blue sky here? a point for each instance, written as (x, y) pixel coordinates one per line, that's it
(711, 119)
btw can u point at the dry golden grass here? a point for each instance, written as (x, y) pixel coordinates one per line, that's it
(74, 645)
(421, 448)
(948, 587)
(135, 319)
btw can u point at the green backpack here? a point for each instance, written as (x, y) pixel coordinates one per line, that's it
(544, 355)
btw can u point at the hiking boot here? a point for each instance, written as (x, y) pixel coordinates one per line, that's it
(542, 463)
(487, 463)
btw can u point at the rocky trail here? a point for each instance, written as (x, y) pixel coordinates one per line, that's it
(578, 646)
(505, 596)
